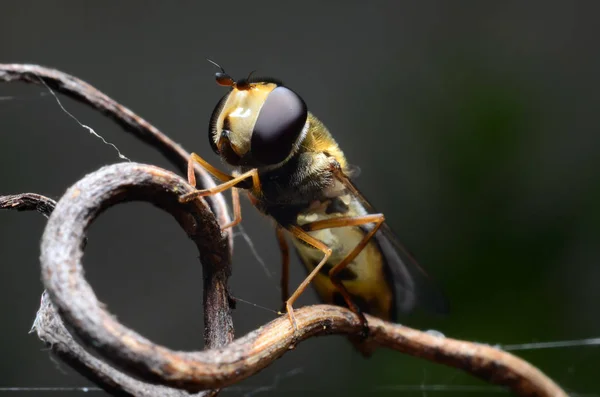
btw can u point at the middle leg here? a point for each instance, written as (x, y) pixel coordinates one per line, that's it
(302, 234)
(285, 264)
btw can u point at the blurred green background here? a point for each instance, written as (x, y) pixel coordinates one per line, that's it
(474, 124)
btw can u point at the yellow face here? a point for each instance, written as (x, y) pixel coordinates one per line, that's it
(239, 114)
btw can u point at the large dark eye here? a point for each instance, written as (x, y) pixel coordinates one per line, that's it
(278, 126)
(212, 126)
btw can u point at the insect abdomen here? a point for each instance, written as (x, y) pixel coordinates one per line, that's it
(365, 277)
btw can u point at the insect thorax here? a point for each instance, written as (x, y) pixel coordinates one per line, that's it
(294, 187)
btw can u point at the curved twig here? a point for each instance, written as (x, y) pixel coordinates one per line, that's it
(62, 274)
(131, 122)
(51, 330)
(28, 202)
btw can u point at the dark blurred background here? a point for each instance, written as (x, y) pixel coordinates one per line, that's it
(474, 123)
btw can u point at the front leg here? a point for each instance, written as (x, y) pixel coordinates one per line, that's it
(346, 221)
(299, 233)
(194, 158)
(230, 181)
(224, 186)
(285, 264)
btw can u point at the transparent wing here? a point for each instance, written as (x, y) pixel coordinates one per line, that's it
(413, 286)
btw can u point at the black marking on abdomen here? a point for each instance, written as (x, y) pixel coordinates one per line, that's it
(336, 206)
(361, 303)
(344, 275)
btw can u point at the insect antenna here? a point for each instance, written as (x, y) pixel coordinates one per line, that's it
(222, 77)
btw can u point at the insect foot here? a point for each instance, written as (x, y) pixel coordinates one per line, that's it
(186, 198)
(364, 333)
(292, 317)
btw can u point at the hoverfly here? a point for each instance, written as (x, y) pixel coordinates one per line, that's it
(295, 172)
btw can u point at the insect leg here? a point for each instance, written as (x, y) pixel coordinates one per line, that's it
(194, 158)
(310, 240)
(377, 219)
(224, 186)
(235, 195)
(237, 209)
(285, 264)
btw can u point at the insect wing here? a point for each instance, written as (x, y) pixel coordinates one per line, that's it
(413, 286)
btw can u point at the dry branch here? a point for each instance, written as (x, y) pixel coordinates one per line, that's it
(51, 330)
(218, 367)
(62, 273)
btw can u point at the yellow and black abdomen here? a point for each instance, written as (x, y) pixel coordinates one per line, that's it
(366, 278)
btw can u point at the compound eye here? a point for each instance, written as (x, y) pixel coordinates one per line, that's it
(279, 124)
